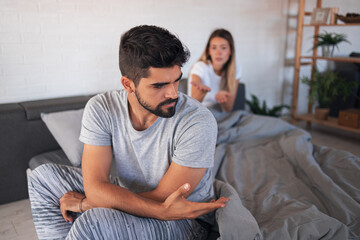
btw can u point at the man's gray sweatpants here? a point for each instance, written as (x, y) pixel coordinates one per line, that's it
(49, 182)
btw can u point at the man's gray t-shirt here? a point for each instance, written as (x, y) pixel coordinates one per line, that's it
(143, 157)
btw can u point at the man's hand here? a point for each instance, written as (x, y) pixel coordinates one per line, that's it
(176, 206)
(222, 96)
(202, 87)
(70, 202)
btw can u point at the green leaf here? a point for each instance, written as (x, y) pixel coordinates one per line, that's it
(327, 86)
(255, 107)
(330, 39)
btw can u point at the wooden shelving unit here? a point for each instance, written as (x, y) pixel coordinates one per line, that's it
(337, 59)
(333, 25)
(312, 60)
(330, 122)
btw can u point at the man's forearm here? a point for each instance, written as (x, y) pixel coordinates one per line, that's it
(112, 196)
(152, 195)
(175, 207)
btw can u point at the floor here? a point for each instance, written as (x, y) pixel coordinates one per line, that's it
(16, 220)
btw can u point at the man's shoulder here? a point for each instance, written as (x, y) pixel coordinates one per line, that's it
(189, 104)
(109, 98)
(194, 122)
(108, 103)
(190, 108)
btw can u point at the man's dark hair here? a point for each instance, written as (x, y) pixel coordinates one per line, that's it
(146, 46)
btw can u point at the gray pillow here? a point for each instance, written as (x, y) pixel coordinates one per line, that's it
(65, 126)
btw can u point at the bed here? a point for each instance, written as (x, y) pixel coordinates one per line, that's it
(281, 186)
(292, 188)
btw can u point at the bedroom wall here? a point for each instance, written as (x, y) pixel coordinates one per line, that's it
(51, 48)
(54, 48)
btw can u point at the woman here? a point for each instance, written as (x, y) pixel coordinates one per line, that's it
(215, 78)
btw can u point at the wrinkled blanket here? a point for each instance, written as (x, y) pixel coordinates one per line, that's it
(290, 187)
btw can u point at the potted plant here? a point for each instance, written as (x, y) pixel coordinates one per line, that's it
(257, 108)
(328, 42)
(325, 87)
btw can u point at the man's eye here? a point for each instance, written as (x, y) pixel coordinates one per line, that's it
(158, 86)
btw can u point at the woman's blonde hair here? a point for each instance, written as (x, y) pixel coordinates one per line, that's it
(228, 71)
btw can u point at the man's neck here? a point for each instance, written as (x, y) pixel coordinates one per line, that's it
(140, 118)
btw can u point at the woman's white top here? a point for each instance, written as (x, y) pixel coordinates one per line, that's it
(209, 78)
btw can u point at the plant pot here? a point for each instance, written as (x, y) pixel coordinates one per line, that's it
(322, 113)
(327, 51)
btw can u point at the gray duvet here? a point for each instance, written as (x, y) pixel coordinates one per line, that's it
(286, 187)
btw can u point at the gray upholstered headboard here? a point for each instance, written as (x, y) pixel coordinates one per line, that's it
(24, 135)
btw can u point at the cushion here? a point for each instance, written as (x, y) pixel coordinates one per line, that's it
(65, 126)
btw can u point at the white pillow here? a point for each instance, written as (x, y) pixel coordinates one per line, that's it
(65, 126)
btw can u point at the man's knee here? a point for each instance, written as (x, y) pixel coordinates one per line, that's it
(40, 173)
(93, 216)
(93, 223)
(50, 177)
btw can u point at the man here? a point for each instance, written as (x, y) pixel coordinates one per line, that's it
(163, 143)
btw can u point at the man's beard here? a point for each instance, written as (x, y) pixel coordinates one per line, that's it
(158, 111)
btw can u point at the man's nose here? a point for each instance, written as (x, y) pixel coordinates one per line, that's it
(171, 91)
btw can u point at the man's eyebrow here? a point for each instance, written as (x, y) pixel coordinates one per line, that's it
(165, 83)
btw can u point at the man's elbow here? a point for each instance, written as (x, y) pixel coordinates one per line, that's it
(94, 194)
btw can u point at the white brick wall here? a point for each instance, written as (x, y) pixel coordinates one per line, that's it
(54, 48)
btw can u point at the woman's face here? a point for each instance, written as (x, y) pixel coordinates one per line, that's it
(219, 51)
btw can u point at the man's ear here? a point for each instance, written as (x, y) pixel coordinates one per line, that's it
(128, 84)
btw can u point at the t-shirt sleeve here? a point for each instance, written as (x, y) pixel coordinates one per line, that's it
(196, 140)
(95, 129)
(198, 69)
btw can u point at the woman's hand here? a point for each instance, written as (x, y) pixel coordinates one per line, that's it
(70, 202)
(202, 87)
(222, 96)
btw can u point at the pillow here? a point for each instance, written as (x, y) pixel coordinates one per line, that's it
(65, 127)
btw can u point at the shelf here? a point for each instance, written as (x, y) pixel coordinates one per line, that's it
(331, 122)
(312, 61)
(332, 25)
(336, 59)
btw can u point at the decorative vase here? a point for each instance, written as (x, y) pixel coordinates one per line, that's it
(322, 113)
(327, 51)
